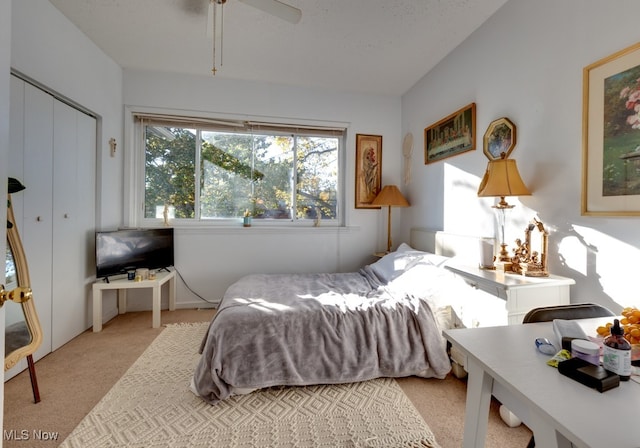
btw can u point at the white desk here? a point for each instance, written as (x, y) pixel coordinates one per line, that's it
(122, 285)
(503, 361)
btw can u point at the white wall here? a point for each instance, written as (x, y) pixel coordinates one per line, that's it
(526, 63)
(210, 260)
(5, 53)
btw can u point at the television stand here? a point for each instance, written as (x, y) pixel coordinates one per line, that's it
(122, 285)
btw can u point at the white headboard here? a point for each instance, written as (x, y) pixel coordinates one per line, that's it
(447, 244)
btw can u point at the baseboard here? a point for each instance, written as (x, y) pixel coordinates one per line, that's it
(190, 305)
(196, 304)
(109, 314)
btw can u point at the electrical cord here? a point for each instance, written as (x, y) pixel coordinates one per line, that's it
(216, 303)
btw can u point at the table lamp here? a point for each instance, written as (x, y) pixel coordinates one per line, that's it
(390, 196)
(502, 179)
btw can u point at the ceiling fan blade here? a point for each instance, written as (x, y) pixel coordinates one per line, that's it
(277, 9)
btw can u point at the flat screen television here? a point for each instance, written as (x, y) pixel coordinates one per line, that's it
(119, 251)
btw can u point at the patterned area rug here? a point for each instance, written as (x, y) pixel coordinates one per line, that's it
(152, 406)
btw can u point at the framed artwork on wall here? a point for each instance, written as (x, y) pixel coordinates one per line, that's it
(368, 169)
(611, 135)
(499, 139)
(451, 136)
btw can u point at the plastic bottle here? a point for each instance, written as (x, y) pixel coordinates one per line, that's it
(617, 352)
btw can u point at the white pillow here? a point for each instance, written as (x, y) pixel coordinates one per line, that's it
(404, 247)
(426, 257)
(391, 265)
(404, 258)
(435, 260)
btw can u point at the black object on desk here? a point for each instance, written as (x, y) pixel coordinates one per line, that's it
(596, 377)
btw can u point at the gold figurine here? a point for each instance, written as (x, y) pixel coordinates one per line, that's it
(526, 259)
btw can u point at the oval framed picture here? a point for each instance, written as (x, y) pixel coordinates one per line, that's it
(499, 139)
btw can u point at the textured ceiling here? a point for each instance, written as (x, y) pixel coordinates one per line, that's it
(370, 46)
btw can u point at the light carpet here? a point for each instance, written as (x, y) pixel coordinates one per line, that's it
(152, 406)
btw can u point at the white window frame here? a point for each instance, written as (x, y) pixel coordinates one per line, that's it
(134, 164)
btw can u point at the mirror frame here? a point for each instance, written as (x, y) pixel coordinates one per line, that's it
(28, 307)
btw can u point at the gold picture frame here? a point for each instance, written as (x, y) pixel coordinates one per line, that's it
(500, 138)
(451, 136)
(611, 135)
(368, 169)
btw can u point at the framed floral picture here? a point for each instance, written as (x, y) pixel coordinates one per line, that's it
(611, 135)
(451, 136)
(368, 169)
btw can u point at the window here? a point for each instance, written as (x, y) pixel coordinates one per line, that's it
(199, 170)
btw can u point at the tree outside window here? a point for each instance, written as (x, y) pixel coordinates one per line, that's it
(203, 174)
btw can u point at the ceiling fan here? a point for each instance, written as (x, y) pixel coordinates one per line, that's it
(273, 7)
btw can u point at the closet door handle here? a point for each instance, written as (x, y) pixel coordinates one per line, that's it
(66, 215)
(38, 218)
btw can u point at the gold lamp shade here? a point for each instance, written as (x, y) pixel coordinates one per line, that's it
(390, 196)
(502, 179)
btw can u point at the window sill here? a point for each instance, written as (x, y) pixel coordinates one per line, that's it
(262, 230)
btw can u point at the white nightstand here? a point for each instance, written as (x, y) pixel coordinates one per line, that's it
(521, 293)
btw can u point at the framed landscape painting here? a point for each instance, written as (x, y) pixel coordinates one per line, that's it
(611, 135)
(368, 169)
(451, 136)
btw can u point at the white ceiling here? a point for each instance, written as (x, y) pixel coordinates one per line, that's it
(369, 46)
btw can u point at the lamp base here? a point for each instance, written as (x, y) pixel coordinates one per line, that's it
(504, 253)
(503, 261)
(504, 266)
(487, 268)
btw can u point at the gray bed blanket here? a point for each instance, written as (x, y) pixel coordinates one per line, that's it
(293, 330)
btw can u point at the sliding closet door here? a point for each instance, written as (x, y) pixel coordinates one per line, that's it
(66, 249)
(53, 152)
(73, 219)
(37, 230)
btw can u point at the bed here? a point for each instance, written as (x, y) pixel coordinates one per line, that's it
(385, 320)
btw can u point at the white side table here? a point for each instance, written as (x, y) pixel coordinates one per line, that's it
(521, 293)
(122, 285)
